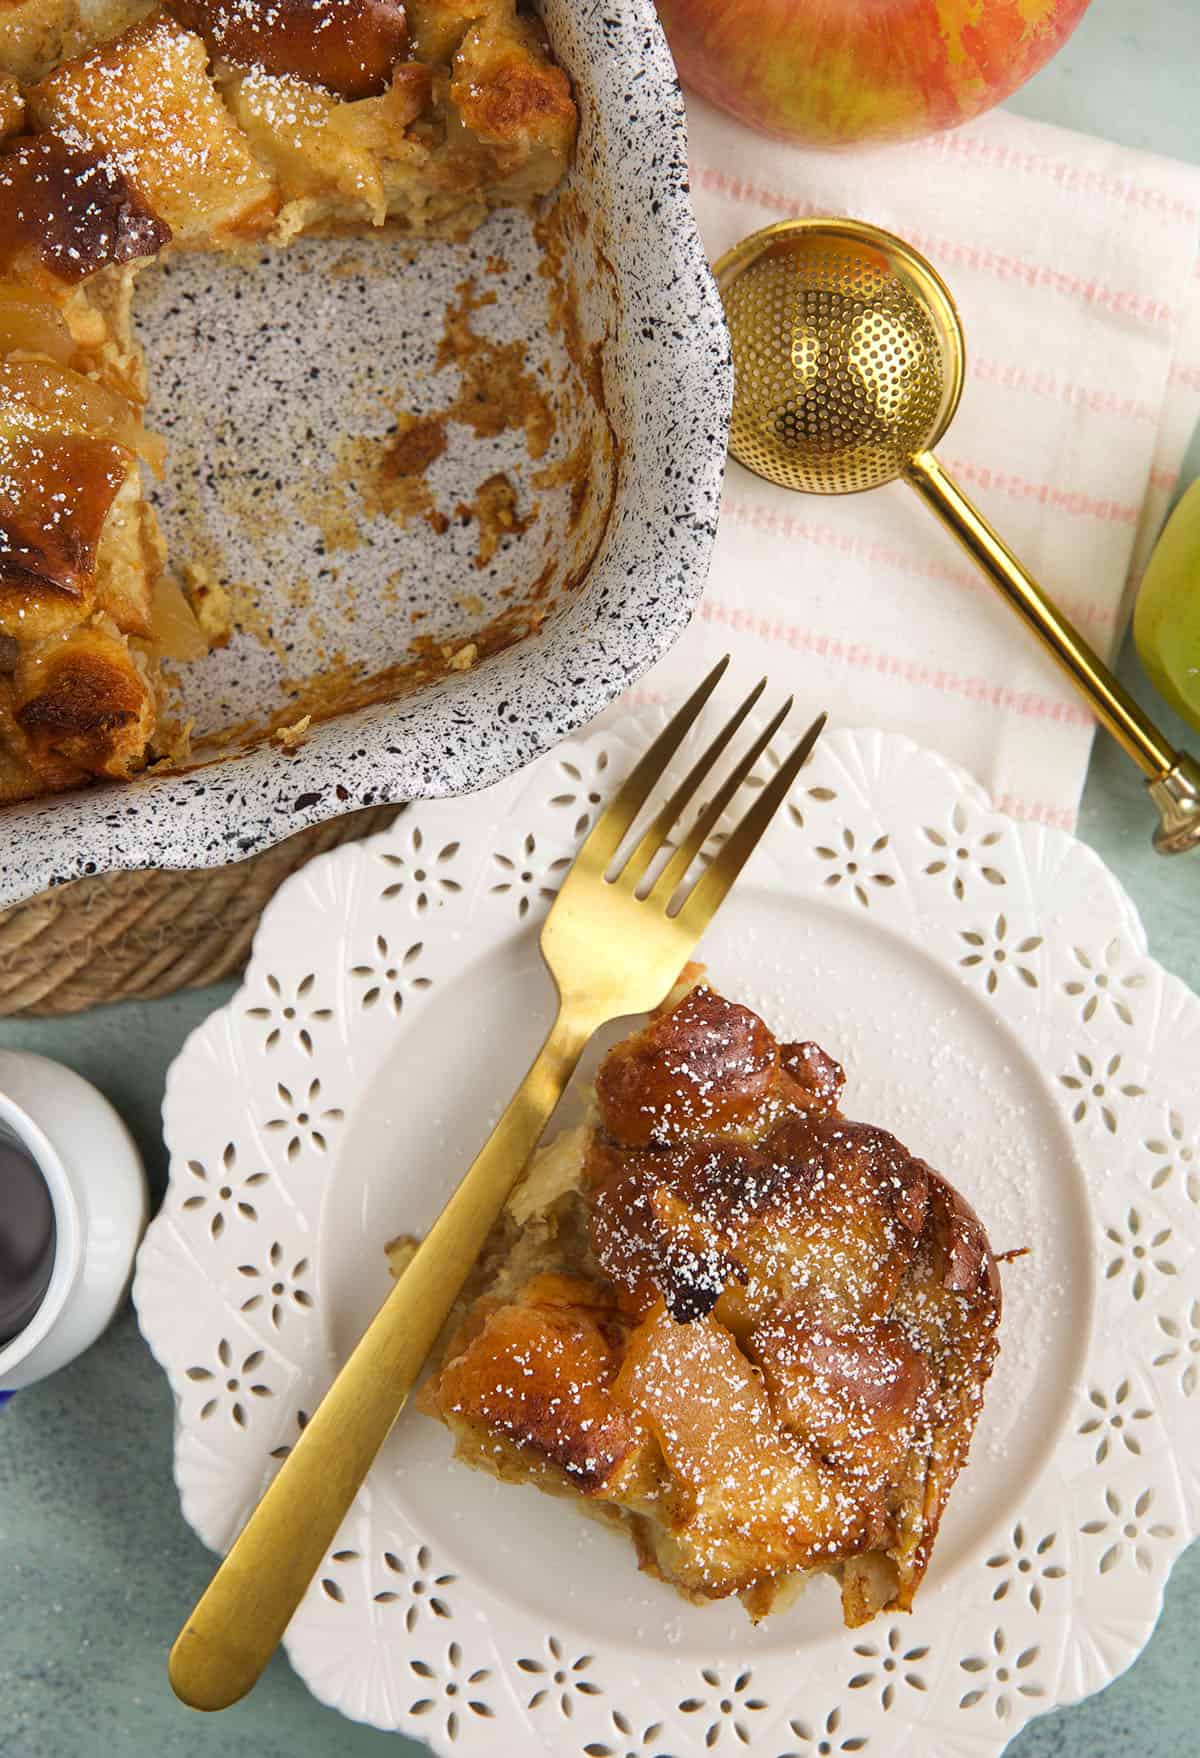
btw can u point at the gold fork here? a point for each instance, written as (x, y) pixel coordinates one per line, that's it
(614, 945)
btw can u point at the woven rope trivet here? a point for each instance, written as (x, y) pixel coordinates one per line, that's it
(135, 936)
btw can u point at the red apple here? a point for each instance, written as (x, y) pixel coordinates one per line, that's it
(836, 72)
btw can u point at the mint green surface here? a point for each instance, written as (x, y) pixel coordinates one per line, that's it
(96, 1565)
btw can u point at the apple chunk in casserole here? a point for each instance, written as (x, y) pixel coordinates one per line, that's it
(753, 1332)
(128, 130)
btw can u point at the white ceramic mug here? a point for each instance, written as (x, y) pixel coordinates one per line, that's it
(97, 1186)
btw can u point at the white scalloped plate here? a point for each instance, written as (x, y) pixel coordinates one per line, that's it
(986, 984)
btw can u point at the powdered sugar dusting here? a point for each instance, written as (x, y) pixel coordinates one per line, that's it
(776, 1322)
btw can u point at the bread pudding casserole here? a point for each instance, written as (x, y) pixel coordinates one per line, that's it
(127, 130)
(722, 1315)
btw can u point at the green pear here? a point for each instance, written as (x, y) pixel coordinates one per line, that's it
(1166, 620)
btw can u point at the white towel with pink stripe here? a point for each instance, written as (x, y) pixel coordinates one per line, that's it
(1073, 263)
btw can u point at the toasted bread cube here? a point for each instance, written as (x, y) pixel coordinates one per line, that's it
(147, 100)
(32, 34)
(287, 124)
(56, 490)
(65, 214)
(36, 34)
(81, 700)
(514, 101)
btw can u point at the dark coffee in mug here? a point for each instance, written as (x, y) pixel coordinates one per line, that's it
(27, 1238)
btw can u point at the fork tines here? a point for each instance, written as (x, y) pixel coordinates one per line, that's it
(635, 869)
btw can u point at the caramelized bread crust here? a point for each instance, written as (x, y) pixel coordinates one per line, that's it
(753, 1331)
(65, 214)
(81, 704)
(55, 493)
(127, 128)
(349, 47)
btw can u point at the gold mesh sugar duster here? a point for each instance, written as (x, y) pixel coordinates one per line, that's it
(848, 364)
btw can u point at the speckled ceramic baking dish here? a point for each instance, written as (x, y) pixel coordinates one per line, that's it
(262, 372)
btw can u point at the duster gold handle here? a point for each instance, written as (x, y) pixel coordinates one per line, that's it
(1111, 703)
(1173, 779)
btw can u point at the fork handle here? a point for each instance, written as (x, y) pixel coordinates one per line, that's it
(240, 1620)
